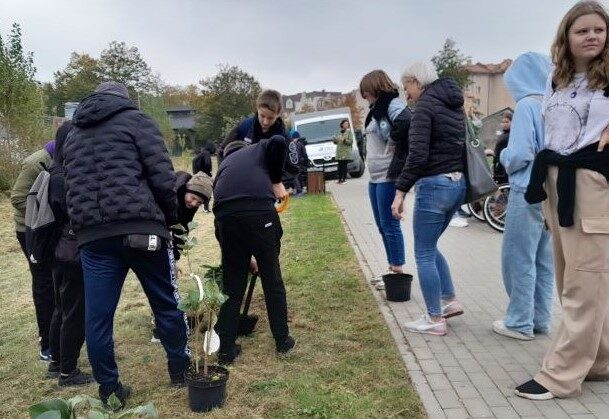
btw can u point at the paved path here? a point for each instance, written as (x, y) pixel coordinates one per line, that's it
(470, 372)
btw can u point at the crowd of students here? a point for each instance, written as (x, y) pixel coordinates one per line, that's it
(115, 196)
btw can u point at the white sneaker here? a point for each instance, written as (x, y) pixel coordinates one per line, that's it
(500, 328)
(425, 325)
(458, 222)
(452, 309)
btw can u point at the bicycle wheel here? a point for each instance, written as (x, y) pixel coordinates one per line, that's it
(476, 209)
(495, 207)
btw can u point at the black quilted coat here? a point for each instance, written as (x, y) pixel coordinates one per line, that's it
(119, 177)
(436, 138)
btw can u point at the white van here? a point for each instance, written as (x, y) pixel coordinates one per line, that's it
(319, 128)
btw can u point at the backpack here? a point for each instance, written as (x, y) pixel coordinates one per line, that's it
(39, 221)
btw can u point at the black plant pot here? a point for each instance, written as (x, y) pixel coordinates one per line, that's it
(205, 394)
(397, 286)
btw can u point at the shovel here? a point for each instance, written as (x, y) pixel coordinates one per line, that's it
(247, 322)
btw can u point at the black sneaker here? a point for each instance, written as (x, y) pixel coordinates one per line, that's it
(45, 355)
(227, 358)
(122, 392)
(532, 390)
(54, 370)
(177, 380)
(286, 346)
(75, 378)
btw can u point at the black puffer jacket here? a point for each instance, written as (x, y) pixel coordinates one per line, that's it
(436, 139)
(119, 176)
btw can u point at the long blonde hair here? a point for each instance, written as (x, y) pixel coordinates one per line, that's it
(598, 69)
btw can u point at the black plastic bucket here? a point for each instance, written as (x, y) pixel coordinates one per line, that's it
(204, 396)
(397, 286)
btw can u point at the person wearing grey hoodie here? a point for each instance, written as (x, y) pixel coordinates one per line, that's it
(526, 254)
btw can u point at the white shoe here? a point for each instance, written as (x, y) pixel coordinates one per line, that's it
(500, 328)
(425, 325)
(458, 222)
(452, 309)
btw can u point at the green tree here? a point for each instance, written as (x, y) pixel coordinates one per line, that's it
(226, 97)
(72, 84)
(181, 96)
(124, 64)
(21, 104)
(450, 62)
(154, 106)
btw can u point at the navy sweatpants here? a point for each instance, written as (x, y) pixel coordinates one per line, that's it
(105, 264)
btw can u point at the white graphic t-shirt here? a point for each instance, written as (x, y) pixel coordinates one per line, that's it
(566, 114)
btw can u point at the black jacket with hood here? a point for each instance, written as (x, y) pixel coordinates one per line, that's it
(436, 138)
(119, 177)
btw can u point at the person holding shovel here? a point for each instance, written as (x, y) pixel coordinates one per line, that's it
(246, 187)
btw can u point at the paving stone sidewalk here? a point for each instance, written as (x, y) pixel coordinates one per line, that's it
(470, 372)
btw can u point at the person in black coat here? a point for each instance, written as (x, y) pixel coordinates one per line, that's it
(202, 163)
(193, 191)
(499, 173)
(121, 201)
(67, 331)
(436, 165)
(245, 189)
(265, 124)
(303, 159)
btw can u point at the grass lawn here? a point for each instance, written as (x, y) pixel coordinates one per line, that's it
(345, 364)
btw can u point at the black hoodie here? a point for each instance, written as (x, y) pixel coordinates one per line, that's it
(436, 138)
(119, 176)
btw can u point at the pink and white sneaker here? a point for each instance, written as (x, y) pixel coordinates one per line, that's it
(425, 325)
(452, 309)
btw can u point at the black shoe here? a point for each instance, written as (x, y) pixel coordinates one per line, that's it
(227, 358)
(178, 380)
(286, 346)
(532, 390)
(75, 378)
(54, 370)
(45, 355)
(122, 392)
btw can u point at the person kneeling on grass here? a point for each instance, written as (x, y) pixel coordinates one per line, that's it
(245, 189)
(193, 191)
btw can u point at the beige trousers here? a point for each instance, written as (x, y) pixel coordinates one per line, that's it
(580, 347)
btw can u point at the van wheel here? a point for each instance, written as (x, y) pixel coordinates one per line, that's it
(360, 172)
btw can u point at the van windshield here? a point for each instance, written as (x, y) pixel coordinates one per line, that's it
(320, 131)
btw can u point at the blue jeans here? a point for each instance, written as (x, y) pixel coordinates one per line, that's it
(437, 199)
(527, 267)
(381, 198)
(105, 263)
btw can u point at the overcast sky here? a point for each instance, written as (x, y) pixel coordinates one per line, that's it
(289, 45)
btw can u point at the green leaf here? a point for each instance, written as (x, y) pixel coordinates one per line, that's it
(114, 403)
(178, 227)
(146, 411)
(50, 414)
(96, 414)
(56, 408)
(84, 401)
